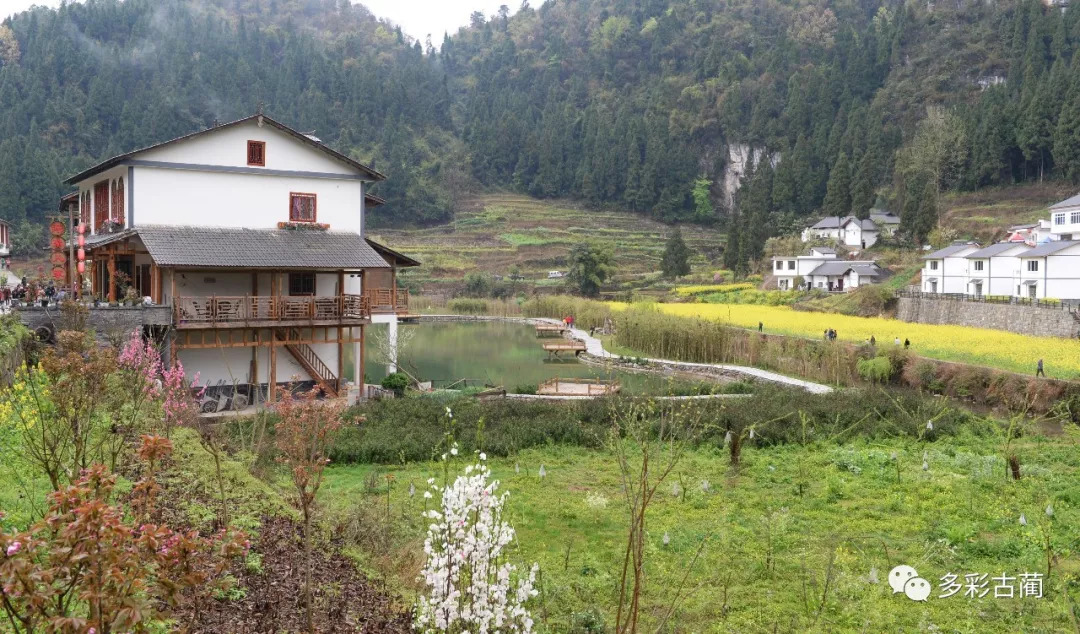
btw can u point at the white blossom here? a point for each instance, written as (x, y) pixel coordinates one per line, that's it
(543, 472)
(1023, 520)
(705, 486)
(412, 489)
(930, 425)
(727, 438)
(1049, 511)
(667, 538)
(483, 456)
(469, 583)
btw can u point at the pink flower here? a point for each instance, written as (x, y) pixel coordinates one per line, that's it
(13, 548)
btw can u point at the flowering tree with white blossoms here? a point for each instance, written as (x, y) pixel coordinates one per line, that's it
(468, 580)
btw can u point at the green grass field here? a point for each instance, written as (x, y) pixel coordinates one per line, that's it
(792, 538)
(492, 233)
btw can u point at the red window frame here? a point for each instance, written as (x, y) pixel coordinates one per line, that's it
(84, 209)
(293, 197)
(101, 203)
(117, 212)
(256, 153)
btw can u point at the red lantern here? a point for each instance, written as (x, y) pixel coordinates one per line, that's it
(82, 254)
(56, 228)
(57, 258)
(57, 243)
(81, 267)
(82, 228)
(82, 240)
(59, 273)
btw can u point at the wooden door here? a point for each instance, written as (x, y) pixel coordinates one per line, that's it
(101, 204)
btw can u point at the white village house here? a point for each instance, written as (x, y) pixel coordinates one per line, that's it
(995, 270)
(823, 270)
(852, 232)
(253, 234)
(5, 239)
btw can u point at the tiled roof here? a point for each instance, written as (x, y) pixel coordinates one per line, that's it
(866, 270)
(950, 250)
(994, 249)
(831, 268)
(885, 218)
(828, 222)
(1049, 248)
(212, 247)
(1068, 202)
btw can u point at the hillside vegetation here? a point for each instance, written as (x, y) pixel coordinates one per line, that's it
(629, 103)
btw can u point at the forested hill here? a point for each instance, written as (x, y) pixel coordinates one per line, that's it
(648, 104)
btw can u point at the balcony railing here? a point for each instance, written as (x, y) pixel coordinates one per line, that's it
(245, 309)
(385, 300)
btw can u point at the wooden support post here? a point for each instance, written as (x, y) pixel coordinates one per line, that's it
(393, 290)
(360, 379)
(112, 276)
(271, 396)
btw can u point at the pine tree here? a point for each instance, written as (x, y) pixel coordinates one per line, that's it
(865, 180)
(676, 259)
(927, 212)
(1067, 133)
(838, 194)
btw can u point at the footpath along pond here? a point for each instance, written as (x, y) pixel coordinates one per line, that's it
(504, 354)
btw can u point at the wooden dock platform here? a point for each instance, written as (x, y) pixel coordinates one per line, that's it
(549, 330)
(571, 345)
(577, 387)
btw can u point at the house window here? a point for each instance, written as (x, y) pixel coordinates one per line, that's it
(117, 214)
(1059, 219)
(791, 265)
(779, 264)
(84, 209)
(933, 265)
(256, 154)
(1074, 217)
(302, 207)
(101, 204)
(978, 265)
(1033, 265)
(301, 283)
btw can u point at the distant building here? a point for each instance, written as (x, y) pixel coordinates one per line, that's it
(821, 269)
(946, 270)
(1050, 271)
(995, 270)
(5, 239)
(852, 232)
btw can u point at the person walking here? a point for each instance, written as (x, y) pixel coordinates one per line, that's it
(873, 342)
(760, 326)
(907, 343)
(1039, 369)
(897, 341)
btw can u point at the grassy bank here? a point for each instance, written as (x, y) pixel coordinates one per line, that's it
(791, 540)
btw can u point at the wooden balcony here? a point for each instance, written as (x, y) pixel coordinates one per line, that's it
(388, 300)
(219, 311)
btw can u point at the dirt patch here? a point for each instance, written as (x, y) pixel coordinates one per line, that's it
(345, 601)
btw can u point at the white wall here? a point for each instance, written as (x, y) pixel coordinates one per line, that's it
(229, 364)
(88, 185)
(1035, 276)
(1004, 275)
(228, 147)
(219, 199)
(1063, 274)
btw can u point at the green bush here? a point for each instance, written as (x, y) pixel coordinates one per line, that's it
(876, 370)
(396, 382)
(468, 306)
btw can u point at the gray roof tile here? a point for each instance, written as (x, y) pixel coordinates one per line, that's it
(1049, 248)
(1072, 201)
(994, 249)
(213, 247)
(948, 251)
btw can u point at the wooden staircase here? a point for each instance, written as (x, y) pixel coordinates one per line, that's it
(310, 361)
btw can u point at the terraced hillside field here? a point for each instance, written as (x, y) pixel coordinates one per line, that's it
(985, 215)
(492, 233)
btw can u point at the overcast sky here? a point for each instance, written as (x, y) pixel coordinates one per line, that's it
(418, 18)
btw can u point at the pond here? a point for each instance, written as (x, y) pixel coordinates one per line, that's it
(496, 354)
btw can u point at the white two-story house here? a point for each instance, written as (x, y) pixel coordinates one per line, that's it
(995, 270)
(849, 231)
(946, 270)
(1050, 270)
(1065, 219)
(821, 269)
(253, 233)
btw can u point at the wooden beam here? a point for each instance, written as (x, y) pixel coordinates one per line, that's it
(112, 277)
(272, 387)
(360, 379)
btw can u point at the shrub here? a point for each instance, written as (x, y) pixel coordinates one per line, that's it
(468, 306)
(397, 382)
(876, 370)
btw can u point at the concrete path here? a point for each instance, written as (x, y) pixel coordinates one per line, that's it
(595, 348)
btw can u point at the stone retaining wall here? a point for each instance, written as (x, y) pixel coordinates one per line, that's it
(104, 319)
(1024, 320)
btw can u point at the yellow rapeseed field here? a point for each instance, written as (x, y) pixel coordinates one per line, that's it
(980, 346)
(713, 288)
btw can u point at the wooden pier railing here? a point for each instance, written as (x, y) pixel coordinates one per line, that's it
(386, 300)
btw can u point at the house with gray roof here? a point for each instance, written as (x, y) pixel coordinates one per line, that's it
(1050, 270)
(946, 270)
(822, 269)
(848, 230)
(995, 269)
(253, 234)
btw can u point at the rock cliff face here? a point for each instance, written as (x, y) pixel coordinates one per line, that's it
(740, 157)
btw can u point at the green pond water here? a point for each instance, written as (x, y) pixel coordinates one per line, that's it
(493, 353)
